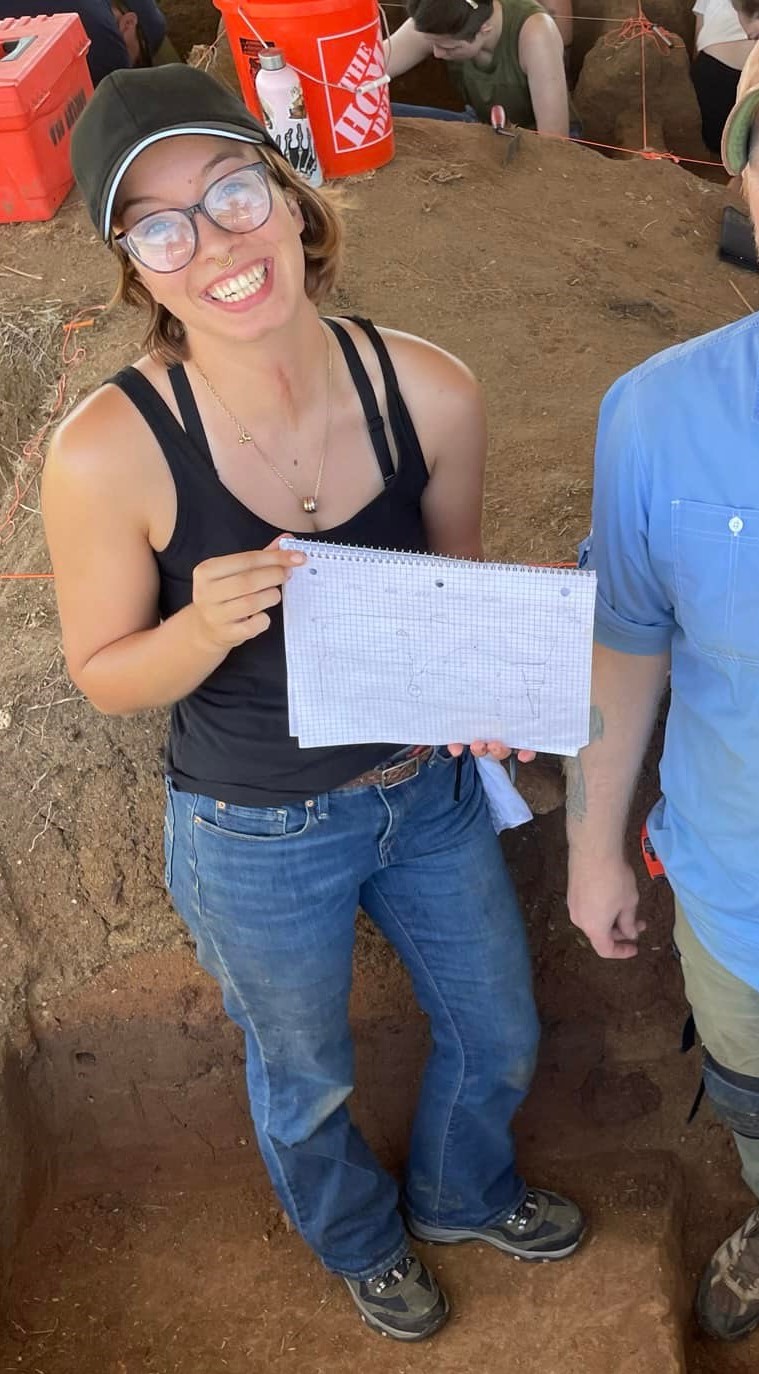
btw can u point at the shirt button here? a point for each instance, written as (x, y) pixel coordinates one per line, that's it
(735, 525)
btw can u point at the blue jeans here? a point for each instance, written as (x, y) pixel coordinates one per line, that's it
(270, 897)
(467, 116)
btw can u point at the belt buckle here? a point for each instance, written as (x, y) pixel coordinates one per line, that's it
(399, 772)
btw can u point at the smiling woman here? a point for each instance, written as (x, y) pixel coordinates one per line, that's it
(239, 201)
(165, 498)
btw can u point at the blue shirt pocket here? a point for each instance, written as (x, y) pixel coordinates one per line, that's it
(715, 552)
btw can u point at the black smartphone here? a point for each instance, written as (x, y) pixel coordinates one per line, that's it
(736, 240)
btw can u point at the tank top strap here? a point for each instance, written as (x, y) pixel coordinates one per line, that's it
(362, 383)
(188, 409)
(402, 425)
(176, 443)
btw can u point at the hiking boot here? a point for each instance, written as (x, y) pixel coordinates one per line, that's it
(404, 1302)
(543, 1227)
(727, 1304)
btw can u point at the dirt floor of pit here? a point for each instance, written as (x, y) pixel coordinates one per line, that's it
(550, 277)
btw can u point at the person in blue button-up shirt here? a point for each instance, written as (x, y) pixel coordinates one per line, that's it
(675, 545)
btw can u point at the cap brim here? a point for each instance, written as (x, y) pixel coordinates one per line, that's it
(736, 136)
(237, 133)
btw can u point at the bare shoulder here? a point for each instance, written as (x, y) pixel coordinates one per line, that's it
(439, 389)
(414, 357)
(444, 398)
(540, 32)
(103, 432)
(103, 457)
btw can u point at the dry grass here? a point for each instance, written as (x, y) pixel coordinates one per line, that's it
(30, 362)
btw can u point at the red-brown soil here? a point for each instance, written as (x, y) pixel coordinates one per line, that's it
(147, 1236)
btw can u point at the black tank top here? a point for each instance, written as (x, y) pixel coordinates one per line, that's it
(230, 739)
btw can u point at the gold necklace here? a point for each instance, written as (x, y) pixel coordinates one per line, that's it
(309, 503)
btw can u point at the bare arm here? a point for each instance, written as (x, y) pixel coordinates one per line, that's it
(405, 49)
(541, 57)
(118, 652)
(602, 893)
(452, 501)
(561, 11)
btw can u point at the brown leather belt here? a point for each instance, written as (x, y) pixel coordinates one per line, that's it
(391, 774)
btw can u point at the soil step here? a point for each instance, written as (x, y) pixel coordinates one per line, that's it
(210, 1279)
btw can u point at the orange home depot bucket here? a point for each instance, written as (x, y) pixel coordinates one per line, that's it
(336, 48)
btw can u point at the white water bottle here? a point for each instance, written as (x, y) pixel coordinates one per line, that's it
(284, 109)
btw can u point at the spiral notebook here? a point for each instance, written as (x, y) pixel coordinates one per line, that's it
(421, 649)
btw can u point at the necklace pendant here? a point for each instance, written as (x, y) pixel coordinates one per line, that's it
(310, 504)
(243, 437)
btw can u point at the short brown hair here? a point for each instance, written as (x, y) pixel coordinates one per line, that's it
(458, 18)
(322, 240)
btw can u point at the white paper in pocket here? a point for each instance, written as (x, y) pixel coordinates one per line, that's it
(506, 805)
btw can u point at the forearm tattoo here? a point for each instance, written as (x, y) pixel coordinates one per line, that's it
(577, 801)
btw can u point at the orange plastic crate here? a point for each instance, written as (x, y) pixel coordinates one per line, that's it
(44, 86)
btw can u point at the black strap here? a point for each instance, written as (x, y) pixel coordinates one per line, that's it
(457, 778)
(149, 402)
(374, 420)
(401, 424)
(389, 374)
(696, 1102)
(161, 419)
(688, 1038)
(188, 409)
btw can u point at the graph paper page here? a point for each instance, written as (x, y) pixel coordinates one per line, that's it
(418, 649)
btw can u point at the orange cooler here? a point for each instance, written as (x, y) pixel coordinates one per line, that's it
(336, 48)
(44, 86)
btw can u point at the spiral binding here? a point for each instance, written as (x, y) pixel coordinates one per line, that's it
(354, 553)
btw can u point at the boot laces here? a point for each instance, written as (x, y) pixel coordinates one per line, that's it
(396, 1274)
(524, 1213)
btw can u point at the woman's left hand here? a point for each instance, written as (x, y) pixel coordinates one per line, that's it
(493, 747)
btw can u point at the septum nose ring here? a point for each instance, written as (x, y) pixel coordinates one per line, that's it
(224, 262)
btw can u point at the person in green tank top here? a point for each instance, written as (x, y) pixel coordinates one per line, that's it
(500, 52)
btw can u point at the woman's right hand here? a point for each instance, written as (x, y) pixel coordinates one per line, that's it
(231, 595)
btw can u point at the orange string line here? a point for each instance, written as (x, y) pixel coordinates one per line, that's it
(643, 35)
(652, 154)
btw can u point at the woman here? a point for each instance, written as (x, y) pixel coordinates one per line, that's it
(249, 416)
(725, 35)
(506, 53)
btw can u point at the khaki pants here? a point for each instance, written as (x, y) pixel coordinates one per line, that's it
(726, 1012)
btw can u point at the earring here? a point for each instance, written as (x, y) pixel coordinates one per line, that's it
(224, 262)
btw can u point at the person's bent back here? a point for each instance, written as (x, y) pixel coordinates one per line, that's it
(500, 52)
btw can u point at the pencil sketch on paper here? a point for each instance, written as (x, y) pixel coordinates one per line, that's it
(384, 646)
(360, 650)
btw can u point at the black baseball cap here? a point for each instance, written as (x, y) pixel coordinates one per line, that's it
(135, 108)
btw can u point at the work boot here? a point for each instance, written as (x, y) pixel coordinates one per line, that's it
(727, 1304)
(404, 1302)
(543, 1227)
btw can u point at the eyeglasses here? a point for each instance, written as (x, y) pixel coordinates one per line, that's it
(167, 240)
